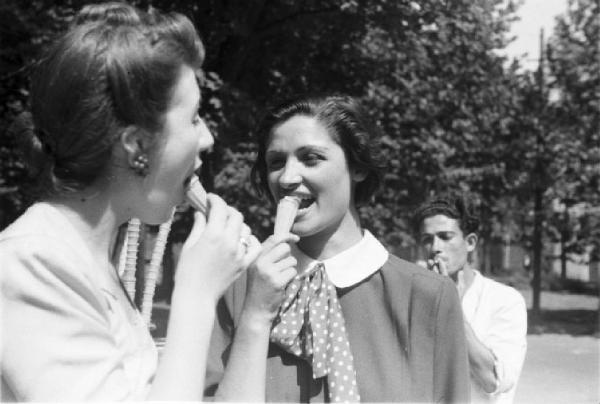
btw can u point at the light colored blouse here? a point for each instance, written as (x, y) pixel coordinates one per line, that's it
(65, 335)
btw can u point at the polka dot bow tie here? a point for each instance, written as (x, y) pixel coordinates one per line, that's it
(310, 325)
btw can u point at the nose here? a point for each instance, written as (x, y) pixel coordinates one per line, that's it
(436, 245)
(205, 138)
(290, 176)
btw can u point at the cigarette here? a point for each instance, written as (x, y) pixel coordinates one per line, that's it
(286, 213)
(196, 195)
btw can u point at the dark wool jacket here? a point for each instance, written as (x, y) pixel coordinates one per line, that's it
(406, 333)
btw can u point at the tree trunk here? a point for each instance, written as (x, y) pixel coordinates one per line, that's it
(563, 244)
(536, 283)
(538, 219)
(563, 256)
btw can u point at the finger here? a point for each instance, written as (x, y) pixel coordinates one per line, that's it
(281, 266)
(254, 250)
(439, 264)
(289, 237)
(278, 252)
(282, 273)
(274, 240)
(292, 238)
(287, 263)
(197, 229)
(217, 213)
(269, 243)
(443, 268)
(286, 276)
(233, 229)
(431, 265)
(245, 231)
(244, 239)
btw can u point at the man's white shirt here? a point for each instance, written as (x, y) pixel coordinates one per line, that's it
(498, 316)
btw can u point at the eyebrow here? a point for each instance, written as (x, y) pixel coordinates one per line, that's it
(437, 232)
(314, 148)
(302, 149)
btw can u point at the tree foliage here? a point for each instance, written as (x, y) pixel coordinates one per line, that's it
(453, 113)
(574, 64)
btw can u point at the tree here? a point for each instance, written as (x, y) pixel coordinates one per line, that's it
(427, 72)
(574, 62)
(25, 28)
(556, 159)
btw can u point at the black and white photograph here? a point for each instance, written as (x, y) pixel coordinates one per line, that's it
(300, 201)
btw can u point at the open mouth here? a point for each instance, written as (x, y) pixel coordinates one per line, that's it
(184, 205)
(193, 173)
(188, 179)
(305, 202)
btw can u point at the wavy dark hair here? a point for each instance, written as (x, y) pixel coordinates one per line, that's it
(454, 206)
(112, 12)
(109, 71)
(347, 124)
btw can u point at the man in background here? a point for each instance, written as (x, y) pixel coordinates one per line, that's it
(495, 314)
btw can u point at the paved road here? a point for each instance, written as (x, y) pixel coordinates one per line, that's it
(560, 369)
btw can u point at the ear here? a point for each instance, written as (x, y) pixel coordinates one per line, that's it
(359, 175)
(471, 240)
(134, 143)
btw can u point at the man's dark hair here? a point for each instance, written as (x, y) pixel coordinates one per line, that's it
(453, 206)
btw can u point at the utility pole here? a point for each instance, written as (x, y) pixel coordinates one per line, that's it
(538, 222)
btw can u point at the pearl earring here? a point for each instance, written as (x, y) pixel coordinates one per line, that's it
(140, 165)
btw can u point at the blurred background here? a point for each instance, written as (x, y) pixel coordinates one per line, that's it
(477, 96)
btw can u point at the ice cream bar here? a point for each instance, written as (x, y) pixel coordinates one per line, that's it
(286, 213)
(196, 195)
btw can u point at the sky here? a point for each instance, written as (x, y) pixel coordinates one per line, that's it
(534, 15)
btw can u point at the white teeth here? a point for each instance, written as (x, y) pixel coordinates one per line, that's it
(301, 197)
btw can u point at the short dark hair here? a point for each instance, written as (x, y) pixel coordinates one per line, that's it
(347, 124)
(453, 206)
(109, 71)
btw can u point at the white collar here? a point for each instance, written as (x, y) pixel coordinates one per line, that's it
(350, 266)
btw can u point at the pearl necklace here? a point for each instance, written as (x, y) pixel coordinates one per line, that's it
(128, 261)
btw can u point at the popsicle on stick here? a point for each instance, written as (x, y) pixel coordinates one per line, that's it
(196, 195)
(286, 213)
